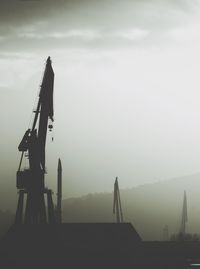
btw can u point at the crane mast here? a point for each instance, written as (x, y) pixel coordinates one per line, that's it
(58, 208)
(184, 217)
(117, 208)
(31, 181)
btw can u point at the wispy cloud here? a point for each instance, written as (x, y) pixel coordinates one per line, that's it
(86, 34)
(133, 34)
(94, 24)
(186, 34)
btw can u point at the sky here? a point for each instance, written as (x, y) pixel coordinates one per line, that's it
(126, 95)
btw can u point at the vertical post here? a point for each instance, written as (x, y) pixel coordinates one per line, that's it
(19, 212)
(43, 216)
(59, 193)
(51, 215)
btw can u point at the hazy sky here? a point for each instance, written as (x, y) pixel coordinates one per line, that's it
(127, 88)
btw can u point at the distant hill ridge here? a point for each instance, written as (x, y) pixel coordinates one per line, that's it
(149, 207)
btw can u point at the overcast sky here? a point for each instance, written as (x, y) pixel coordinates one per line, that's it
(127, 88)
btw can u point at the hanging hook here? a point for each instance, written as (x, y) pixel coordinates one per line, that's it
(50, 126)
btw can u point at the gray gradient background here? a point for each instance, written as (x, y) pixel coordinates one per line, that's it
(127, 89)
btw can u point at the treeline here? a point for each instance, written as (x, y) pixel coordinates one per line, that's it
(185, 237)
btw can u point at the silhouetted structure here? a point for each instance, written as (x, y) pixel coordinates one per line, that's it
(166, 233)
(31, 181)
(184, 215)
(70, 245)
(182, 235)
(59, 194)
(91, 245)
(75, 245)
(117, 207)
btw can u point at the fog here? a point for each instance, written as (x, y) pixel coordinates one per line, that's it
(126, 89)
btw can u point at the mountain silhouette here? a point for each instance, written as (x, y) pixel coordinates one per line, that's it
(148, 207)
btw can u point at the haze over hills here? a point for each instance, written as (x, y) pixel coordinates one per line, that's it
(149, 207)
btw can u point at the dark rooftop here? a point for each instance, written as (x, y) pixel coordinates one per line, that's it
(70, 245)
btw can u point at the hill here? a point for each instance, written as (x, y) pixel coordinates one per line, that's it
(149, 207)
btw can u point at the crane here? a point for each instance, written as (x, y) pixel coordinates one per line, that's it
(30, 182)
(184, 216)
(117, 208)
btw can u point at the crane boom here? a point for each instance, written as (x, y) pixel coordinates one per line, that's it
(46, 108)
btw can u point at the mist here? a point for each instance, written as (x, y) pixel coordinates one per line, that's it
(126, 90)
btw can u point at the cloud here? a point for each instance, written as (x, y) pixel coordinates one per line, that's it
(133, 34)
(39, 25)
(186, 34)
(86, 34)
(112, 97)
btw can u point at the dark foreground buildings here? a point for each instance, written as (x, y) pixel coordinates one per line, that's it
(87, 245)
